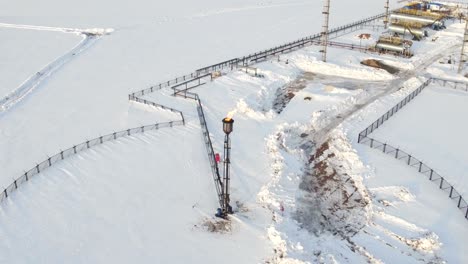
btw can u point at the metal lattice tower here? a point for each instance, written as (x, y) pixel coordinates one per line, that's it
(464, 48)
(386, 18)
(324, 33)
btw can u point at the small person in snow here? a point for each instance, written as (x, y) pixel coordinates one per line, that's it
(282, 208)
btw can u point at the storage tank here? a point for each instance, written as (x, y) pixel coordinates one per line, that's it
(391, 47)
(419, 19)
(403, 30)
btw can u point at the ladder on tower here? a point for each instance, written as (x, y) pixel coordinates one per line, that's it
(324, 33)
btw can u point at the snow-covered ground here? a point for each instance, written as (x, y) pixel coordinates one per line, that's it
(141, 199)
(151, 198)
(425, 131)
(25, 52)
(153, 43)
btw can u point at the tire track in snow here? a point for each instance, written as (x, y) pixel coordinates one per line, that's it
(90, 36)
(95, 31)
(221, 11)
(43, 74)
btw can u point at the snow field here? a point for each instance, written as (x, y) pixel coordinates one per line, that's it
(88, 97)
(399, 191)
(127, 212)
(25, 52)
(430, 128)
(128, 200)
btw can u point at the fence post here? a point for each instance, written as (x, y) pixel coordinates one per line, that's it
(61, 154)
(451, 191)
(26, 175)
(50, 164)
(384, 147)
(142, 129)
(128, 132)
(396, 153)
(420, 166)
(372, 142)
(37, 168)
(409, 159)
(430, 176)
(100, 139)
(74, 149)
(87, 144)
(441, 182)
(466, 215)
(16, 185)
(6, 193)
(115, 135)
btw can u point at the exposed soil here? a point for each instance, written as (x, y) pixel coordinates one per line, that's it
(380, 65)
(331, 200)
(285, 94)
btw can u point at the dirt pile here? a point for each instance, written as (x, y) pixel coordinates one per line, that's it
(380, 65)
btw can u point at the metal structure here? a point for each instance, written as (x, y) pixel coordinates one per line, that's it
(324, 33)
(387, 14)
(227, 128)
(415, 32)
(415, 18)
(463, 55)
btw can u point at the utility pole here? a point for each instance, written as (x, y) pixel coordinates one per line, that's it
(386, 18)
(324, 33)
(463, 55)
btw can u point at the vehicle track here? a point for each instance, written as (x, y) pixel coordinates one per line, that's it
(90, 36)
(321, 134)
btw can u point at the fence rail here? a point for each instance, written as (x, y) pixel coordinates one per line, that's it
(135, 96)
(409, 159)
(207, 139)
(457, 85)
(78, 148)
(196, 80)
(262, 55)
(257, 56)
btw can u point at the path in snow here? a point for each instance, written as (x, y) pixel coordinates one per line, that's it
(393, 86)
(17, 95)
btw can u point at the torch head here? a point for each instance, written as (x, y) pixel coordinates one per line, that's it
(227, 125)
